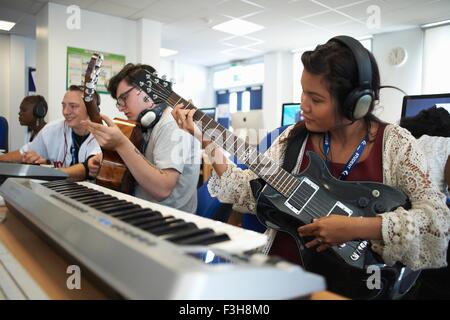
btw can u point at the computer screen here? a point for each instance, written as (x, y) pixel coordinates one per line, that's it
(412, 105)
(210, 112)
(247, 120)
(292, 113)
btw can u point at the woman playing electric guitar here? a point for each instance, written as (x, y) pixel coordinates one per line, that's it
(341, 84)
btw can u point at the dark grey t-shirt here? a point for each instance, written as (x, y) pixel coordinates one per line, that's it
(169, 147)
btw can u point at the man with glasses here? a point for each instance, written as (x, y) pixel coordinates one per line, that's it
(63, 143)
(166, 167)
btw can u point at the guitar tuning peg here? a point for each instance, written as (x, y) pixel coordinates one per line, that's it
(155, 74)
(172, 81)
(156, 80)
(154, 97)
(165, 84)
(164, 77)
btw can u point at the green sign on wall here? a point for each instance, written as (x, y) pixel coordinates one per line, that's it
(77, 62)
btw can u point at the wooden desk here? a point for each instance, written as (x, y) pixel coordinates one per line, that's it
(42, 263)
(48, 268)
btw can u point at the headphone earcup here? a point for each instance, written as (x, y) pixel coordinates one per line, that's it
(150, 117)
(357, 104)
(39, 110)
(147, 119)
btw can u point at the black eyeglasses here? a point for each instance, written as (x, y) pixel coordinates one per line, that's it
(121, 100)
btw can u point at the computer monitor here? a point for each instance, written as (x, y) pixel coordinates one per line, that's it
(247, 120)
(248, 125)
(291, 113)
(210, 112)
(412, 105)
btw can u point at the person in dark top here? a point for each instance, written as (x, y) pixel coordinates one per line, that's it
(32, 112)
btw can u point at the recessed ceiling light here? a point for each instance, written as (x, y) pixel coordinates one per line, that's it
(6, 25)
(238, 27)
(435, 24)
(166, 52)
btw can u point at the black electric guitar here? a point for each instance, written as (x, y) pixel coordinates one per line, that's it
(288, 201)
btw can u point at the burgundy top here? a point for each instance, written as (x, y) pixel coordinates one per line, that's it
(371, 169)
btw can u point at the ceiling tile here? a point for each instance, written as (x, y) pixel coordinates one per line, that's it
(83, 4)
(136, 4)
(10, 14)
(241, 41)
(340, 3)
(326, 19)
(25, 6)
(268, 18)
(236, 8)
(112, 9)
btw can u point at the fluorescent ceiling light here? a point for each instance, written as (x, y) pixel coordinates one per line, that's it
(435, 24)
(166, 52)
(238, 27)
(6, 25)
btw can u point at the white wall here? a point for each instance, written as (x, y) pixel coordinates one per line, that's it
(16, 55)
(4, 77)
(407, 76)
(97, 32)
(278, 86)
(191, 81)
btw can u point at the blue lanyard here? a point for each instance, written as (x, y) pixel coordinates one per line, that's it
(353, 159)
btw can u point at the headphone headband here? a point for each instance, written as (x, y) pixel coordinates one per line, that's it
(358, 102)
(362, 60)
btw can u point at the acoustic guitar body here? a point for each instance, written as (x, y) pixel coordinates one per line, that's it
(113, 172)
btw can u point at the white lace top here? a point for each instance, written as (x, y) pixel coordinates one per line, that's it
(418, 237)
(436, 150)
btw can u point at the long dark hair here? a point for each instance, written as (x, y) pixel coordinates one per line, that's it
(336, 63)
(433, 122)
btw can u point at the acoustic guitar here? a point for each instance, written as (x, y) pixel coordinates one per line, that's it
(113, 172)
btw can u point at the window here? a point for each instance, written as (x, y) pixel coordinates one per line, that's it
(246, 101)
(233, 102)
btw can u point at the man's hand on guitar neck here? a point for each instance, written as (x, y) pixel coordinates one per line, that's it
(185, 120)
(109, 137)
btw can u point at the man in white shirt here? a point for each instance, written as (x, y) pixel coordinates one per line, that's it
(64, 143)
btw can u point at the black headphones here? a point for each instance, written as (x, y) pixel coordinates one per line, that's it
(40, 108)
(148, 118)
(358, 102)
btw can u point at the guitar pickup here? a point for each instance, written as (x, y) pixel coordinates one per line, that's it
(302, 196)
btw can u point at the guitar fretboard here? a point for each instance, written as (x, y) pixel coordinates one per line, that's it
(263, 166)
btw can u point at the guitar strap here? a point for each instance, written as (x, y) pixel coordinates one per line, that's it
(290, 159)
(293, 149)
